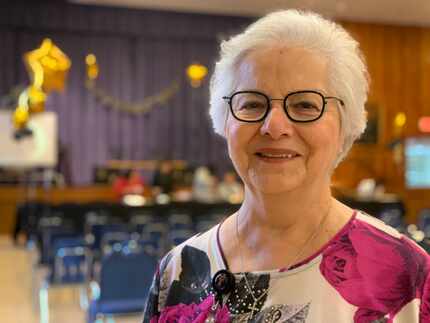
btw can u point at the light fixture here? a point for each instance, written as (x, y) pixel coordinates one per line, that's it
(424, 124)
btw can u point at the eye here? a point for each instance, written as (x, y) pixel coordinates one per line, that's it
(251, 105)
(305, 105)
(304, 108)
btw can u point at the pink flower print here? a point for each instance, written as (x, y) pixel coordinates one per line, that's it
(374, 271)
(425, 302)
(192, 313)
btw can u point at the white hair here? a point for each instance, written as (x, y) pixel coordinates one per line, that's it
(348, 76)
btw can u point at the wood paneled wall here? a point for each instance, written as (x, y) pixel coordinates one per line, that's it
(398, 59)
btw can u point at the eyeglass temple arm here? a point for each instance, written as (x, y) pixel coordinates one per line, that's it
(335, 98)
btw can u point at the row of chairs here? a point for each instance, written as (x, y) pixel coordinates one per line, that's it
(101, 230)
(75, 215)
(120, 283)
(114, 260)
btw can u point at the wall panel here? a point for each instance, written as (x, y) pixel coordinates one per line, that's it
(399, 65)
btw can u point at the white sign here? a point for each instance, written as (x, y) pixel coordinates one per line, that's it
(37, 150)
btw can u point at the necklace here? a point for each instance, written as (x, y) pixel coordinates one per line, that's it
(254, 307)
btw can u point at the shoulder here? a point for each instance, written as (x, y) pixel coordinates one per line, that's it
(372, 230)
(367, 238)
(374, 266)
(185, 272)
(370, 237)
(373, 246)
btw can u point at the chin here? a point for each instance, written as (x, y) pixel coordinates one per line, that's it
(275, 183)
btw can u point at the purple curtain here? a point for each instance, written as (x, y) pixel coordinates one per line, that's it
(139, 53)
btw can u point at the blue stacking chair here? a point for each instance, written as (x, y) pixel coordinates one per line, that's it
(424, 221)
(69, 266)
(52, 228)
(99, 230)
(70, 261)
(181, 221)
(123, 282)
(140, 224)
(394, 218)
(111, 240)
(204, 225)
(95, 217)
(102, 233)
(178, 236)
(154, 232)
(148, 244)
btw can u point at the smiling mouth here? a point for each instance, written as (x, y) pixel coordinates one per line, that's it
(277, 156)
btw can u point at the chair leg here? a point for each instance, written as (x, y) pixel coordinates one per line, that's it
(44, 303)
(83, 298)
(99, 319)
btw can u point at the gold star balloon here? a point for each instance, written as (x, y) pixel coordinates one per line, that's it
(48, 67)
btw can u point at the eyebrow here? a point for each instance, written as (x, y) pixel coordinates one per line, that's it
(323, 92)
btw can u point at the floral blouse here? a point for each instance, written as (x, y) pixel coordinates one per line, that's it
(368, 272)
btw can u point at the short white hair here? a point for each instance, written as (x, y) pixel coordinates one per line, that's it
(348, 76)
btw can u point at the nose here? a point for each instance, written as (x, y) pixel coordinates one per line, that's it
(276, 124)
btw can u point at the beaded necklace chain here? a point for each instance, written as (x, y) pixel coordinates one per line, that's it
(254, 308)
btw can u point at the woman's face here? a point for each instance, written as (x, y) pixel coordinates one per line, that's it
(278, 155)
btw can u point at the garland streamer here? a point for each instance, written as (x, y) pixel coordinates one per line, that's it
(107, 100)
(139, 108)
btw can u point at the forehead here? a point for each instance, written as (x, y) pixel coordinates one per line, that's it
(282, 69)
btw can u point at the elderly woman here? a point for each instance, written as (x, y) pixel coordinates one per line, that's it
(288, 95)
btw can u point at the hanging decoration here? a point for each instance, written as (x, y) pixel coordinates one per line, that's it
(196, 74)
(47, 67)
(399, 123)
(138, 108)
(396, 145)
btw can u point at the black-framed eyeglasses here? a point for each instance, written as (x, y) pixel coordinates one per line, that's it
(300, 106)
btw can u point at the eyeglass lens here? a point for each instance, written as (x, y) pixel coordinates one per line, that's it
(301, 106)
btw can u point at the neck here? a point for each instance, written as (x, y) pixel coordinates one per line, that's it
(280, 236)
(295, 211)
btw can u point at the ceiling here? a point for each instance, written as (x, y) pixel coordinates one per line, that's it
(398, 12)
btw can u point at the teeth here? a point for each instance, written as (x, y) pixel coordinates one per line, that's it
(277, 156)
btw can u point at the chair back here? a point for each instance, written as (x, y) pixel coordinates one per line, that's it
(126, 275)
(424, 221)
(394, 218)
(71, 261)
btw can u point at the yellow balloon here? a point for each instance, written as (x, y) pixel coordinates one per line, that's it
(196, 73)
(48, 67)
(92, 67)
(36, 100)
(20, 117)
